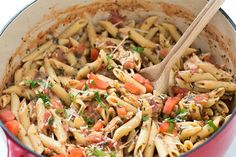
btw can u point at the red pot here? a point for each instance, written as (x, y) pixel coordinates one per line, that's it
(220, 38)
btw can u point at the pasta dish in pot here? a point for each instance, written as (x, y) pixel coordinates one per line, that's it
(80, 93)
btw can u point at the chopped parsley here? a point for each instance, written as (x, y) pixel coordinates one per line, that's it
(51, 120)
(32, 83)
(44, 97)
(137, 49)
(172, 125)
(72, 97)
(89, 121)
(212, 125)
(105, 95)
(112, 154)
(108, 58)
(99, 100)
(98, 152)
(85, 87)
(181, 115)
(145, 118)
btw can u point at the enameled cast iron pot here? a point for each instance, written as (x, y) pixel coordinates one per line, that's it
(20, 33)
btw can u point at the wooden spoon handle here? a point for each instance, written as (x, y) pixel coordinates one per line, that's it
(186, 40)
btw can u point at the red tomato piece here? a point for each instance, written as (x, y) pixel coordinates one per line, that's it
(94, 54)
(13, 127)
(170, 103)
(6, 115)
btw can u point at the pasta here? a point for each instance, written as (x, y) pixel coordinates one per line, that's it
(81, 91)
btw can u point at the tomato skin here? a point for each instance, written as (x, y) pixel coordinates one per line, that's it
(79, 49)
(201, 99)
(132, 89)
(6, 115)
(95, 82)
(121, 111)
(94, 54)
(165, 127)
(144, 81)
(56, 104)
(169, 104)
(178, 90)
(76, 152)
(13, 126)
(164, 52)
(129, 65)
(47, 115)
(98, 126)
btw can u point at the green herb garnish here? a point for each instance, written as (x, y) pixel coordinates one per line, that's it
(108, 58)
(89, 121)
(105, 95)
(85, 86)
(72, 97)
(212, 125)
(99, 100)
(145, 118)
(44, 97)
(137, 49)
(51, 120)
(112, 154)
(98, 152)
(32, 83)
(181, 115)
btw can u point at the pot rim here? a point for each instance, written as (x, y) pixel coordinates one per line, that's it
(19, 143)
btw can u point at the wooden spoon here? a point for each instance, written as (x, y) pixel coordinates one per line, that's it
(159, 73)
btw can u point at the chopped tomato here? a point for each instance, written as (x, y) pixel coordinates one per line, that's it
(94, 54)
(94, 138)
(98, 126)
(164, 52)
(79, 49)
(6, 115)
(140, 78)
(179, 90)
(47, 116)
(132, 89)
(121, 110)
(201, 98)
(115, 18)
(149, 87)
(56, 104)
(166, 127)
(144, 81)
(13, 126)
(59, 55)
(59, 155)
(170, 104)
(129, 65)
(76, 152)
(95, 82)
(208, 58)
(46, 91)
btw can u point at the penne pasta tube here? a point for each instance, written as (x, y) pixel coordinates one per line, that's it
(109, 27)
(115, 101)
(149, 150)
(188, 129)
(5, 100)
(151, 33)
(188, 77)
(80, 138)
(172, 30)
(66, 68)
(128, 126)
(37, 51)
(24, 115)
(161, 146)
(208, 84)
(20, 91)
(139, 39)
(24, 138)
(58, 129)
(15, 105)
(216, 72)
(92, 36)
(147, 24)
(35, 140)
(52, 144)
(49, 70)
(90, 67)
(61, 93)
(40, 111)
(151, 55)
(18, 76)
(74, 28)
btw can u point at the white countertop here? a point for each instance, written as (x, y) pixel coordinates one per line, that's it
(9, 8)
